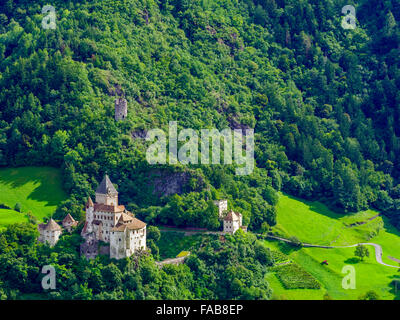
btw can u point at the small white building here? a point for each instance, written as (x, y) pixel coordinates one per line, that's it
(233, 222)
(49, 233)
(69, 222)
(222, 207)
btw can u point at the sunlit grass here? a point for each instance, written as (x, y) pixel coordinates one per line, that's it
(37, 189)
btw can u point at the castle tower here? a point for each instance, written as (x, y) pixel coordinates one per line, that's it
(106, 193)
(89, 210)
(121, 109)
(222, 207)
(69, 222)
(49, 233)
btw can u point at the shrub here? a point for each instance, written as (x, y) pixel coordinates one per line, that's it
(153, 233)
(295, 241)
(369, 295)
(17, 207)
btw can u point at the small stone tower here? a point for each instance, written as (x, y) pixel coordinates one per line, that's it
(222, 207)
(121, 109)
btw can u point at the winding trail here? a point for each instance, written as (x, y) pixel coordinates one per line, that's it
(378, 249)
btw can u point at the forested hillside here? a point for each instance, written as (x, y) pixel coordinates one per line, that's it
(324, 101)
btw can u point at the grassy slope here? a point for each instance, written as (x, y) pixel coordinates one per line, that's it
(313, 222)
(10, 216)
(37, 189)
(173, 243)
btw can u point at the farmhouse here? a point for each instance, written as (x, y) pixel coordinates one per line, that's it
(111, 223)
(49, 233)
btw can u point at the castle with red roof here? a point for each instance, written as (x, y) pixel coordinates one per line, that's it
(111, 223)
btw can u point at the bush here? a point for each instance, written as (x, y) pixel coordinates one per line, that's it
(32, 219)
(295, 241)
(263, 254)
(279, 257)
(327, 296)
(17, 207)
(153, 233)
(369, 295)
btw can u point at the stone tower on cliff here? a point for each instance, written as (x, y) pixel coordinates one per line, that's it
(121, 109)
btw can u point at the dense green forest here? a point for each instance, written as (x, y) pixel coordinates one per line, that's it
(233, 269)
(324, 103)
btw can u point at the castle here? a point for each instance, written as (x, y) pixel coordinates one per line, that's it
(111, 223)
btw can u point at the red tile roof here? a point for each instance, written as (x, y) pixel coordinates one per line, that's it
(232, 216)
(136, 224)
(50, 226)
(68, 219)
(108, 208)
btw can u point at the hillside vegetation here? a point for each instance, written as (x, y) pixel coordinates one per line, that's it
(324, 101)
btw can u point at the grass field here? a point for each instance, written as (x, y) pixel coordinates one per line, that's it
(10, 216)
(172, 244)
(37, 189)
(313, 222)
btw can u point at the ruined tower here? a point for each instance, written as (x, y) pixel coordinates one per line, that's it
(121, 109)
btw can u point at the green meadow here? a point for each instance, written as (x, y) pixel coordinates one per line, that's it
(10, 216)
(37, 189)
(313, 222)
(172, 244)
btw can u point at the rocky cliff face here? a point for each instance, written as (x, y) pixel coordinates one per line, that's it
(167, 183)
